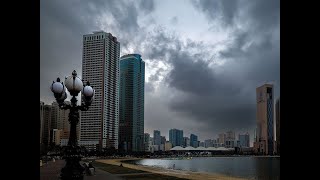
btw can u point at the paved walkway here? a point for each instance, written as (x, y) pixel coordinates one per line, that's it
(51, 171)
(102, 175)
(134, 174)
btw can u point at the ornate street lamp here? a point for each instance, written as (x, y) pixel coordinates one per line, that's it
(73, 169)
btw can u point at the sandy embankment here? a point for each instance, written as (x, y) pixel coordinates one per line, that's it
(169, 172)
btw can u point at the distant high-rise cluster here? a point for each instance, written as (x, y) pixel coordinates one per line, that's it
(227, 140)
(54, 125)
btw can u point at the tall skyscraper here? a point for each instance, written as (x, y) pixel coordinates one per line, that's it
(151, 141)
(46, 124)
(193, 140)
(56, 134)
(176, 137)
(146, 142)
(222, 138)
(208, 143)
(244, 140)
(201, 144)
(54, 115)
(163, 139)
(63, 119)
(100, 66)
(55, 120)
(167, 146)
(156, 137)
(41, 119)
(230, 135)
(278, 125)
(186, 141)
(265, 130)
(131, 122)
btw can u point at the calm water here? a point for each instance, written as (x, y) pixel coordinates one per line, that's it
(247, 167)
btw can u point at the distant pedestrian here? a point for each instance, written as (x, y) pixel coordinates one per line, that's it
(91, 166)
(174, 166)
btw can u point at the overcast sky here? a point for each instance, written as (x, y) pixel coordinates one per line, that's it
(204, 58)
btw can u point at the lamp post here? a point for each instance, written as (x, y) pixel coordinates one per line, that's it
(73, 169)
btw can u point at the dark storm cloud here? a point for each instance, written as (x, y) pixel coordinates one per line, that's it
(261, 14)
(224, 98)
(221, 10)
(220, 100)
(264, 14)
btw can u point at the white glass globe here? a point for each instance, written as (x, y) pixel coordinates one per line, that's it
(88, 91)
(57, 87)
(73, 85)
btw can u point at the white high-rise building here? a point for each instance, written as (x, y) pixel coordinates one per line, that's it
(100, 66)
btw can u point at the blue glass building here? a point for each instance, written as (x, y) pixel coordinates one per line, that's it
(131, 105)
(193, 140)
(244, 140)
(156, 137)
(176, 137)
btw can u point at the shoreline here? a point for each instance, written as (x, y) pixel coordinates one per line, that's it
(170, 172)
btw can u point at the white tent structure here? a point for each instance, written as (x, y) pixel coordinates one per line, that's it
(189, 148)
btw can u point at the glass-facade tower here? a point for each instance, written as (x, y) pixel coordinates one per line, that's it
(176, 137)
(131, 122)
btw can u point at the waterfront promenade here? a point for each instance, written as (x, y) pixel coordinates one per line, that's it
(51, 171)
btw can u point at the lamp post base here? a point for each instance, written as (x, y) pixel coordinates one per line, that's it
(72, 170)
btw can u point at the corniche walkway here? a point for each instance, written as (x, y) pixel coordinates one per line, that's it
(51, 171)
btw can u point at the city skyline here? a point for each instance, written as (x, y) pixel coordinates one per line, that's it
(63, 119)
(206, 57)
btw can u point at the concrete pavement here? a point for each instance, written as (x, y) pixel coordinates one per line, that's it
(51, 171)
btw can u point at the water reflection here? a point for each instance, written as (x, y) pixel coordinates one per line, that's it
(247, 167)
(267, 168)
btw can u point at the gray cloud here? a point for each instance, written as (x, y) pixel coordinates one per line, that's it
(155, 77)
(147, 5)
(221, 99)
(149, 87)
(260, 14)
(223, 11)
